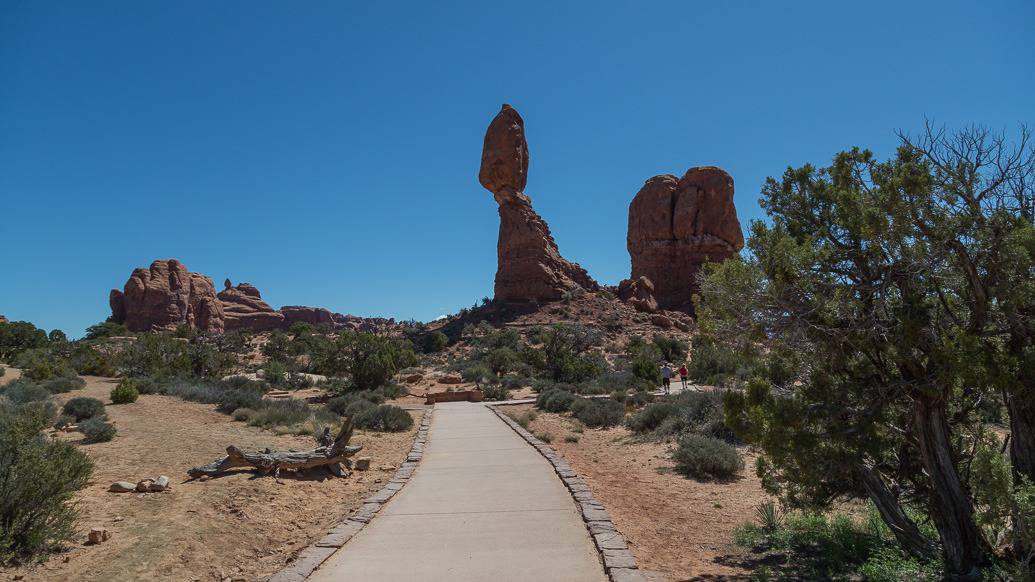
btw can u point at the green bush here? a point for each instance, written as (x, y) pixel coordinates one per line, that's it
(555, 400)
(711, 364)
(434, 342)
(598, 412)
(368, 360)
(351, 407)
(274, 372)
(125, 392)
(106, 329)
(40, 364)
(62, 384)
(384, 418)
(90, 362)
(156, 355)
(17, 336)
(496, 392)
(82, 408)
(242, 414)
(96, 430)
(545, 437)
(38, 481)
(479, 373)
(650, 418)
(22, 392)
(147, 385)
(672, 350)
(706, 458)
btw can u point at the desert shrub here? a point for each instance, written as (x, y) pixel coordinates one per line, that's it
(565, 353)
(41, 364)
(62, 384)
(63, 420)
(496, 392)
(598, 412)
(671, 349)
(38, 480)
(479, 373)
(274, 372)
(392, 390)
(619, 396)
(705, 457)
(368, 360)
(2, 372)
(96, 430)
(147, 385)
(555, 400)
(82, 408)
(88, 361)
(354, 403)
(23, 392)
(242, 414)
(513, 381)
(524, 419)
(194, 391)
(545, 437)
(281, 413)
(434, 342)
(297, 381)
(384, 418)
(650, 418)
(156, 355)
(56, 336)
(234, 398)
(501, 360)
(106, 329)
(125, 392)
(712, 364)
(572, 438)
(639, 398)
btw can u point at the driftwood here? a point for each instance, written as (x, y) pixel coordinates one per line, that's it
(332, 455)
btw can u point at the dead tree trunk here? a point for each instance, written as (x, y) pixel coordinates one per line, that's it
(334, 457)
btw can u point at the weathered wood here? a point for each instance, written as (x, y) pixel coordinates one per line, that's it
(334, 456)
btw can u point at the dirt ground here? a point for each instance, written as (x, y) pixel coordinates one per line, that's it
(678, 528)
(237, 527)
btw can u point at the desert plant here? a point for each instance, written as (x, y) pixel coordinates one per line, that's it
(704, 457)
(125, 392)
(41, 364)
(598, 412)
(106, 329)
(769, 516)
(545, 437)
(384, 418)
(38, 480)
(17, 336)
(62, 384)
(434, 342)
(555, 400)
(274, 372)
(22, 392)
(496, 392)
(96, 430)
(89, 361)
(82, 408)
(572, 438)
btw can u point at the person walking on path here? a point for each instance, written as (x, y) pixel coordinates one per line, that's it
(683, 373)
(666, 377)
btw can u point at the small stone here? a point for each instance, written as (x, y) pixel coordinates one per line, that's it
(122, 487)
(118, 518)
(98, 535)
(144, 486)
(362, 463)
(161, 484)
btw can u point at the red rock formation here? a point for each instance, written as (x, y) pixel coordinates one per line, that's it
(166, 296)
(3, 319)
(639, 294)
(243, 308)
(530, 265)
(676, 225)
(310, 315)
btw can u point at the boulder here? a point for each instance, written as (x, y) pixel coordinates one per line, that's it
(678, 224)
(639, 293)
(98, 535)
(160, 484)
(122, 487)
(3, 319)
(661, 321)
(362, 463)
(166, 296)
(144, 486)
(450, 379)
(530, 266)
(243, 308)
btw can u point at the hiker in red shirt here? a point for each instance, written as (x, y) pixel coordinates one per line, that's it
(683, 373)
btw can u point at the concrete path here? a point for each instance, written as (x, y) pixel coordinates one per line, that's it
(482, 506)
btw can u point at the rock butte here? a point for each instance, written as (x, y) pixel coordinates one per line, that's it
(678, 224)
(530, 266)
(168, 295)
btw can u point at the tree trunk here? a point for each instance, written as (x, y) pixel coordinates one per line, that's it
(963, 547)
(909, 536)
(1020, 404)
(331, 456)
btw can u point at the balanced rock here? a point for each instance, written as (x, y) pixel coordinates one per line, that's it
(243, 308)
(678, 224)
(530, 265)
(166, 296)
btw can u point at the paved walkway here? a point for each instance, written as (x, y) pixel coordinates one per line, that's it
(482, 506)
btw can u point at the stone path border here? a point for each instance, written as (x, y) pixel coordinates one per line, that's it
(309, 559)
(619, 563)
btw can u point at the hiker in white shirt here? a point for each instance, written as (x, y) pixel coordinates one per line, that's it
(666, 377)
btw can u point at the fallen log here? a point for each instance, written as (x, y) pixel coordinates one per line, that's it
(334, 457)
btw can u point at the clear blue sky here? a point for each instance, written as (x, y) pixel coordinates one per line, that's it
(328, 152)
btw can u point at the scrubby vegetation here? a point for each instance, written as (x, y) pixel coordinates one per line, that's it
(705, 457)
(97, 430)
(38, 478)
(125, 392)
(82, 408)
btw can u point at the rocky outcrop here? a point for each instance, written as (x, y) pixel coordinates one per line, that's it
(678, 224)
(639, 294)
(243, 308)
(3, 319)
(530, 265)
(166, 296)
(310, 315)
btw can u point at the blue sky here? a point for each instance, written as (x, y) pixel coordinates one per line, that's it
(328, 152)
